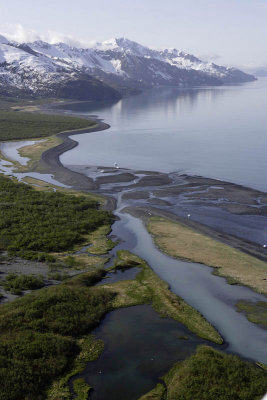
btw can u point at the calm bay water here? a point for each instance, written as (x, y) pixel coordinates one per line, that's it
(218, 132)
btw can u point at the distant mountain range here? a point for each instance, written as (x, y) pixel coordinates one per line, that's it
(104, 71)
(261, 73)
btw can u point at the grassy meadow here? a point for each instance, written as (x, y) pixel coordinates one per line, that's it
(179, 241)
(255, 312)
(25, 125)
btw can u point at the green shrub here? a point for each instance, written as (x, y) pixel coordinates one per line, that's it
(34, 223)
(57, 276)
(39, 335)
(29, 360)
(17, 283)
(81, 388)
(210, 374)
(70, 261)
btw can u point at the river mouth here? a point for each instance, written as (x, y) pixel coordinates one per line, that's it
(233, 214)
(140, 346)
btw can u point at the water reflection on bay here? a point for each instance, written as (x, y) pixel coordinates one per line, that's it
(211, 131)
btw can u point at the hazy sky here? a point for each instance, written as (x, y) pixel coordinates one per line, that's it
(224, 31)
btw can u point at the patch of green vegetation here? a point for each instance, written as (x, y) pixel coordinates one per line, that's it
(149, 288)
(86, 262)
(45, 336)
(183, 337)
(210, 374)
(81, 388)
(126, 259)
(87, 279)
(32, 222)
(100, 243)
(231, 281)
(261, 365)
(7, 102)
(182, 242)
(34, 153)
(71, 262)
(25, 125)
(158, 393)
(66, 262)
(40, 185)
(42, 334)
(58, 276)
(90, 350)
(17, 283)
(57, 266)
(255, 311)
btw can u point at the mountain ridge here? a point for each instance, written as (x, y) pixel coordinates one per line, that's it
(39, 68)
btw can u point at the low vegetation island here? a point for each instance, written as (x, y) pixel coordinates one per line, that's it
(180, 241)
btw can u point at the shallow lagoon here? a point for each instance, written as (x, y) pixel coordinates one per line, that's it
(140, 346)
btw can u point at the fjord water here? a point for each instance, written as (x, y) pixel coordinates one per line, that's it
(218, 132)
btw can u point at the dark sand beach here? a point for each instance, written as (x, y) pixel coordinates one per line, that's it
(51, 163)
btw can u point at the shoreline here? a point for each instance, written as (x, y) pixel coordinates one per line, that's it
(51, 163)
(233, 241)
(163, 185)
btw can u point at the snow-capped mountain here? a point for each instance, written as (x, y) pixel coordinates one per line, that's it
(23, 71)
(99, 71)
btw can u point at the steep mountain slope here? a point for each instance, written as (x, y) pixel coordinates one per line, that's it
(26, 72)
(59, 70)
